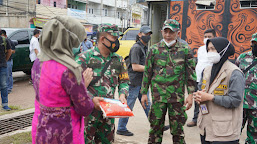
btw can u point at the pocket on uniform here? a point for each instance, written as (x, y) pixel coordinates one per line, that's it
(221, 121)
(222, 128)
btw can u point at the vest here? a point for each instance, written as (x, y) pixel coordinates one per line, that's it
(220, 124)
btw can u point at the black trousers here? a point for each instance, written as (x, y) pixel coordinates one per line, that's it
(218, 142)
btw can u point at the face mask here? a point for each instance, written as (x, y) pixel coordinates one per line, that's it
(205, 40)
(254, 49)
(146, 39)
(213, 57)
(115, 45)
(170, 43)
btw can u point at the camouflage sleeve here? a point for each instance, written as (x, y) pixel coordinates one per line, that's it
(148, 73)
(123, 79)
(190, 71)
(81, 59)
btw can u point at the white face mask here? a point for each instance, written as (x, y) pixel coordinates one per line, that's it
(215, 57)
(170, 43)
(205, 40)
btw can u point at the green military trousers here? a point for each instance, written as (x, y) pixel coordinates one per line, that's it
(99, 130)
(250, 116)
(177, 119)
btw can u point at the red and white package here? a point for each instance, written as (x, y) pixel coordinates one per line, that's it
(115, 109)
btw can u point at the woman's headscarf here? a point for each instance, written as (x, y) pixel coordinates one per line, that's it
(58, 37)
(220, 43)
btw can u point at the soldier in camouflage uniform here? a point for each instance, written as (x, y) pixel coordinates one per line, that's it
(250, 96)
(169, 68)
(97, 128)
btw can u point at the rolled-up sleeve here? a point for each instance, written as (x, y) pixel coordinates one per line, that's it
(82, 103)
(235, 92)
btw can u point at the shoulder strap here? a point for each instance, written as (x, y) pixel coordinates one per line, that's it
(249, 67)
(102, 73)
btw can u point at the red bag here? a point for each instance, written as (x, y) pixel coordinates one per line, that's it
(115, 109)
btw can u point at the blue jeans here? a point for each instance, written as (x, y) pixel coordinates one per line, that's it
(9, 75)
(3, 86)
(134, 93)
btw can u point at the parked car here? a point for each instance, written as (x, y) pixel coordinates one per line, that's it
(21, 60)
(127, 41)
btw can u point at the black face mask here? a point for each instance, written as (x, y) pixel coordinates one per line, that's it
(146, 39)
(254, 49)
(115, 45)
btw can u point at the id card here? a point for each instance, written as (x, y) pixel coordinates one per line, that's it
(204, 109)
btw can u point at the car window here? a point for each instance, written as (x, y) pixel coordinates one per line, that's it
(130, 35)
(9, 31)
(22, 37)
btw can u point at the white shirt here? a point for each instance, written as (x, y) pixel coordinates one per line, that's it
(202, 62)
(34, 44)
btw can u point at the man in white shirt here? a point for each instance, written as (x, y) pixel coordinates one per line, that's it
(202, 62)
(34, 46)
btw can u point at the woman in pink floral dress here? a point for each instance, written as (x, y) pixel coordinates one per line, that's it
(61, 96)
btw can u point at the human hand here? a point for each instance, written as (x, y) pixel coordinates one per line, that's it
(88, 76)
(96, 101)
(189, 102)
(202, 96)
(123, 99)
(144, 100)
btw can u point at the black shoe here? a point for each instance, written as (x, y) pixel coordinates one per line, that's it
(125, 133)
(166, 127)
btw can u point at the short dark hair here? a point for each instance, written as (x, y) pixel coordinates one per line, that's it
(36, 31)
(3, 32)
(211, 31)
(99, 34)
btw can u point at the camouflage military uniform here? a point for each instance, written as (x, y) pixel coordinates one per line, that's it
(97, 128)
(250, 96)
(168, 70)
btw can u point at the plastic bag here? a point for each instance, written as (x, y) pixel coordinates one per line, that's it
(115, 109)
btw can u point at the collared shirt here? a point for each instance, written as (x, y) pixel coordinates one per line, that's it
(168, 71)
(202, 62)
(250, 95)
(137, 55)
(87, 45)
(34, 44)
(115, 75)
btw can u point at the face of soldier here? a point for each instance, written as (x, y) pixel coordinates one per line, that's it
(111, 42)
(109, 37)
(169, 35)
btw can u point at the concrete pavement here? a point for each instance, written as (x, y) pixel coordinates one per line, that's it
(23, 95)
(140, 127)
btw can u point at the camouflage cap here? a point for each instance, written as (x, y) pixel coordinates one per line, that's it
(171, 24)
(254, 37)
(112, 29)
